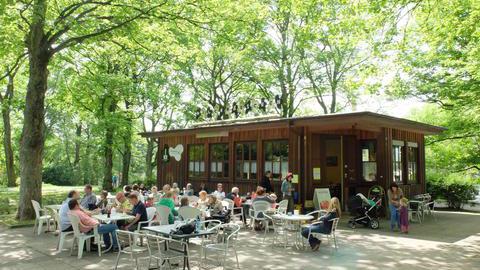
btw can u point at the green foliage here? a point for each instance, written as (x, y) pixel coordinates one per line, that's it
(58, 175)
(456, 189)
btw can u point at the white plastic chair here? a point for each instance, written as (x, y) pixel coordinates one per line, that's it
(227, 237)
(330, 235)
(162, 215)
(39, 218)
(188, 212)
(158, 250)
(126, 246)
(232, 208)
(61, 235)
(280, 230)
(80, 238)
(282, 207)
(257, 213)
(150, 216)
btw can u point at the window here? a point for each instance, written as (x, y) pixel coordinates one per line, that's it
(412, 158)
(219, 160)
(276, 158)
(369, 160)
(246, 161)
(397, 160)
(196, 160)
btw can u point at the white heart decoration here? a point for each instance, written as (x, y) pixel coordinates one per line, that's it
(176, 152)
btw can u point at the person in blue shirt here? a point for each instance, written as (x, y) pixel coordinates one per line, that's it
(139, 211)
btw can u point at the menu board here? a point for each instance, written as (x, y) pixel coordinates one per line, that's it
(321, 198)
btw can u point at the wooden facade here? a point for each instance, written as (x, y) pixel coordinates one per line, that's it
(343, 146)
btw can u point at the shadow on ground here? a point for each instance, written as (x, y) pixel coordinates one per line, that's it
(450, 242)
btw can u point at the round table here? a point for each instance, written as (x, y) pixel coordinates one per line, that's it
(296, 221)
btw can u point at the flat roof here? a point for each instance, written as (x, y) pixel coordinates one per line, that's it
(359, 120)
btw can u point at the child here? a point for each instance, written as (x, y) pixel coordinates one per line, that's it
(403, 215)
(150, 201)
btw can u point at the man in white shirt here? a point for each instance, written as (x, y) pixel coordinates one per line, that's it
(219, 193)
(65, 224)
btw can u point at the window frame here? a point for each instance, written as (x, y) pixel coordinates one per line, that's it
(375, 147)
(264, 157)
(199, 174)
(225, 173)
(412, 145)
(398, 165)
(243, 160)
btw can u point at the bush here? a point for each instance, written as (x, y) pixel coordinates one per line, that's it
(58, 175)
(456, 189)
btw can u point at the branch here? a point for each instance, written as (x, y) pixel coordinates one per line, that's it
(75, 40)
(452, 138)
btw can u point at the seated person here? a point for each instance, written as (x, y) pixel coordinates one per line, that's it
(65, 225)
(167, 201)
(184, 202)
(214, 205)
(325, 227)
(155, 194)
(262, 196)
(189, 190)
(166, 188)
(139, 211)
(89, 201)
(122, 204)
(87, 224)
(202, 199)
(127, 189)
(237, 200)
(149, 202)
(219, 193)
(102, 204)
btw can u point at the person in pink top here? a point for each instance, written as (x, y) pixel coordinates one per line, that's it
(87, 224)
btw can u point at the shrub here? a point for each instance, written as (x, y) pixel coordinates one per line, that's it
(58, 175)
(456, 189)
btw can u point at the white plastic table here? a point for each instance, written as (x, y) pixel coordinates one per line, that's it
(113, 217)
(295, 220)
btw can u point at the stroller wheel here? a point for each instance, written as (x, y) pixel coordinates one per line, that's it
(374, 224)
(351, 224)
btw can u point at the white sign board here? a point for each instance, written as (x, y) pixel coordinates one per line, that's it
(176, 152)
(320, 195)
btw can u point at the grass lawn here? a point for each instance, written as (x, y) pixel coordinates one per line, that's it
(51, 194)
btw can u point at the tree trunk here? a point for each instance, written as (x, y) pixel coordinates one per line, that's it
(76, 162)
(127, 145)
(108, 148)
(32, 141)
(7, 136)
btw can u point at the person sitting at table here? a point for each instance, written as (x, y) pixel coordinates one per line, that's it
(203, 187)
(166, 188)
(261, 196)
(184, 202)
(167, 201)
(87, 224)
(89, 200)
(237, 200)
(149, 202)
(155, 194)
(102, 204)
(65, 224)
(122, 204)
(175, 189)
(214, 205)
(219, 193)
(142, 189)
(325, 227)
(202, 199)
(139, 211)
(126, 190)
(189, 190)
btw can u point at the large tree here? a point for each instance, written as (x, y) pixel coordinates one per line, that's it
(50, 29)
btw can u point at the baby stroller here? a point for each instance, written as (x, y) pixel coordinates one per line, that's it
(366, 211)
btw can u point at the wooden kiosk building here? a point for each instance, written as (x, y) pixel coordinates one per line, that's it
(348, 153)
